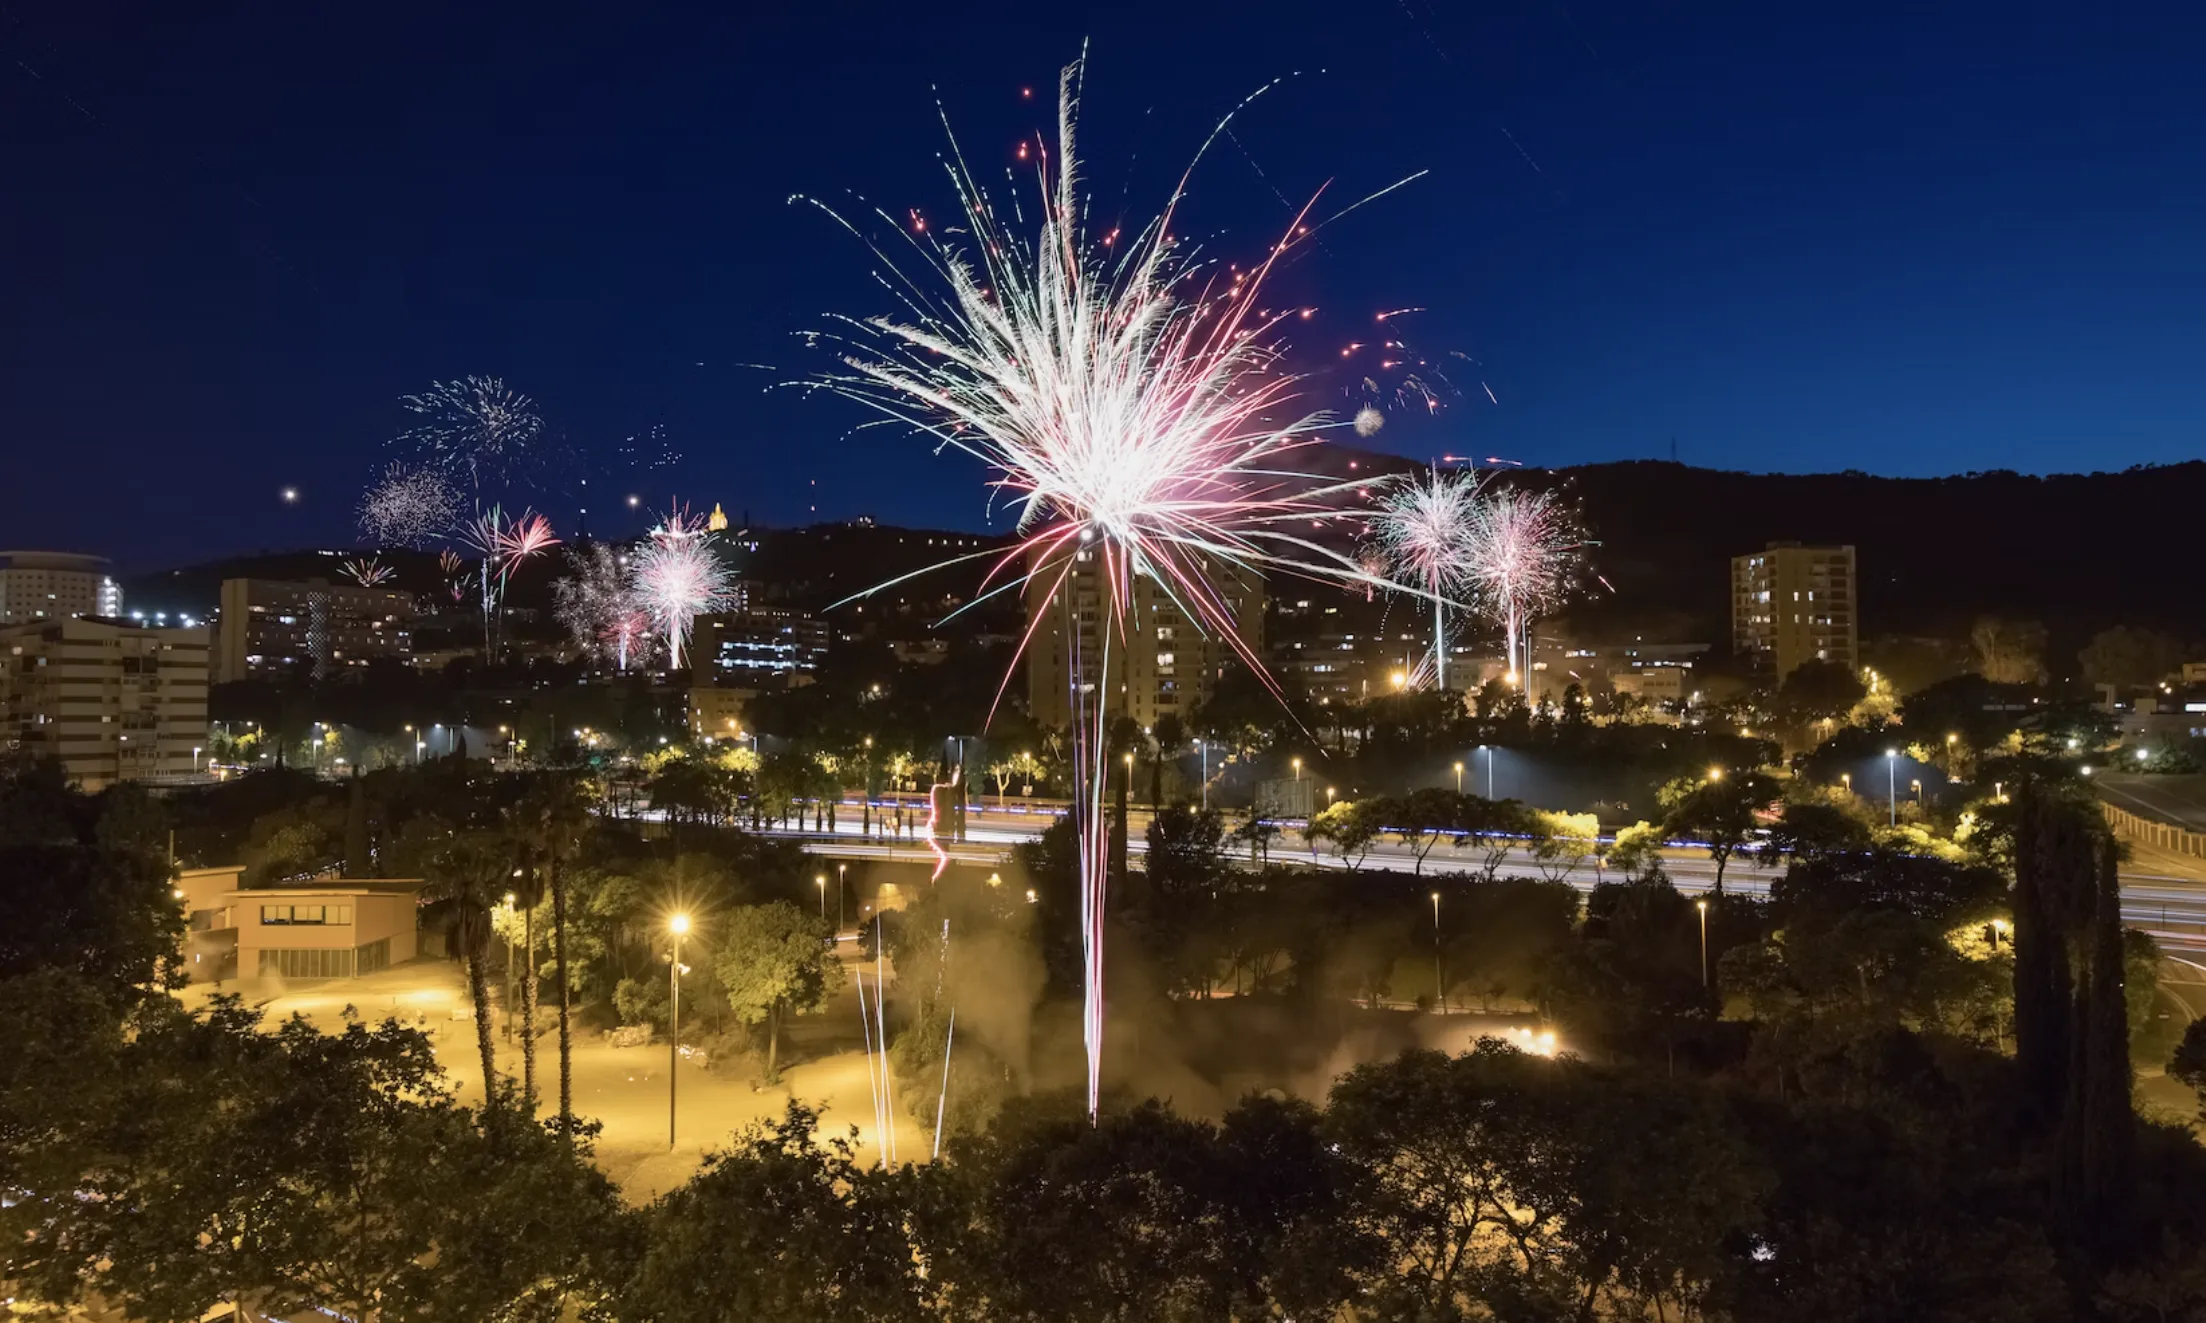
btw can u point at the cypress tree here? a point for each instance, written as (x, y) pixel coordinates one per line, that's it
(356, 827)
(2042, 985)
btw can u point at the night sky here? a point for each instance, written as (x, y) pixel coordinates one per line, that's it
(1785, 236)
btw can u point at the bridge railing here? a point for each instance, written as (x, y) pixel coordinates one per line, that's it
(2160, 835)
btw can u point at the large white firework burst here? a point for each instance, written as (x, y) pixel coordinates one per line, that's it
(1526, 552)
(475, 430)
(410, 505)
(1128, 401)
(1423, 529)
(676, 578)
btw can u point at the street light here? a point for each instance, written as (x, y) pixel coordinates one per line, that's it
(1298, 769)
(1459, 778)
(1917, 787)
(1847, 779)
(820, 880)
(679, 924)
(1439, 981)
(1715, 774)
(1488, 750)
(195, 758)
(1892, 785)
(1328, 797)
(1702, 906)
(841, 872)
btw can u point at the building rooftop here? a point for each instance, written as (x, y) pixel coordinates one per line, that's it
(339, 886)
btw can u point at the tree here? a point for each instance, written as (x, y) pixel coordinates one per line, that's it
(2188, 1064)
(1814, 831)
(1636, 854)
(471, 871)
(1186, 849)
(83, 890)
(1720, 813)
(2130, 658)
(783, 1227)
(1422, 818)
(775, 959)
(1350, 828)
(1563, 841)
(553, 816)
(2009, 651)
(1818, 690)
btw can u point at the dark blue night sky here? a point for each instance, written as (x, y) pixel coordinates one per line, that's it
(1906, 238)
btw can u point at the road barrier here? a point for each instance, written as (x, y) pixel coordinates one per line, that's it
(2160, 835)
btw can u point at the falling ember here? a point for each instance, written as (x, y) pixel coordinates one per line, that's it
(1134, 428)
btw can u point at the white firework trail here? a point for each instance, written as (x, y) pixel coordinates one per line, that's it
(503, 546)
(1129, 402)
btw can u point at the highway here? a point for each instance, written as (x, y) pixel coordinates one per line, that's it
(2171, 908)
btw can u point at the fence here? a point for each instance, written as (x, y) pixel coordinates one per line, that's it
(2160, 835)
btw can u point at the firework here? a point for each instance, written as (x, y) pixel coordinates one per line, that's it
(408, 506)
(1526, 549)
(598, 606)
(676, 579)
(473, 430)
(1130, 409)
(455, 572)
(502, 545)
(1422, 530)
(367, 571)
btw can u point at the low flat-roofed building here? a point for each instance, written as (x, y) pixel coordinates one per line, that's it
(341, 928)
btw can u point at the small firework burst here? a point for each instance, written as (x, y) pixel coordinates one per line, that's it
(1421, 529)
(503, 545)
(597, 604)
(474, 430)
(367, 571)
(410, 505)
(1369, 420)
(1526, 554)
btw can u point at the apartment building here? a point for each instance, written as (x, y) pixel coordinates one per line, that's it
(112, 701)
(1792, 604)
(308, 629)
(1161, 663)
(55, 585)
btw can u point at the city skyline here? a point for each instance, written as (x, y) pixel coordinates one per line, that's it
(245, 268)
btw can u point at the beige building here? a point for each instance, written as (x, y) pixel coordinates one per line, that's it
(333, 929)
(112, 701)
(55, 585)
(1792, 604)
(308, 629)
(1160, 663)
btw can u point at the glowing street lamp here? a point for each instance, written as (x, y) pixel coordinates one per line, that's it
(1439, 981)
(1892, 785)
(1702, 906)
(678, 925)
(1459, 778)
(820, 880)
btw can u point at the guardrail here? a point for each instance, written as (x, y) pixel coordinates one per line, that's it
(2160, 835)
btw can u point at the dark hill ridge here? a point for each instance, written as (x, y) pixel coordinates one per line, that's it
(2076, 551)
(2079, 552)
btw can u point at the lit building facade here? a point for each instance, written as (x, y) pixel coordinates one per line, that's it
(308, 629)
(111, 701)
(1161, 663)
(55, 585)
(1792, 604)
(757, 646)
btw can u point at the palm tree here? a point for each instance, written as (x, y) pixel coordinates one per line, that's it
(471, 870)
(527, 889)
(555, 812)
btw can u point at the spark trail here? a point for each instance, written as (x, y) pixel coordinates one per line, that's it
(1131, 406)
